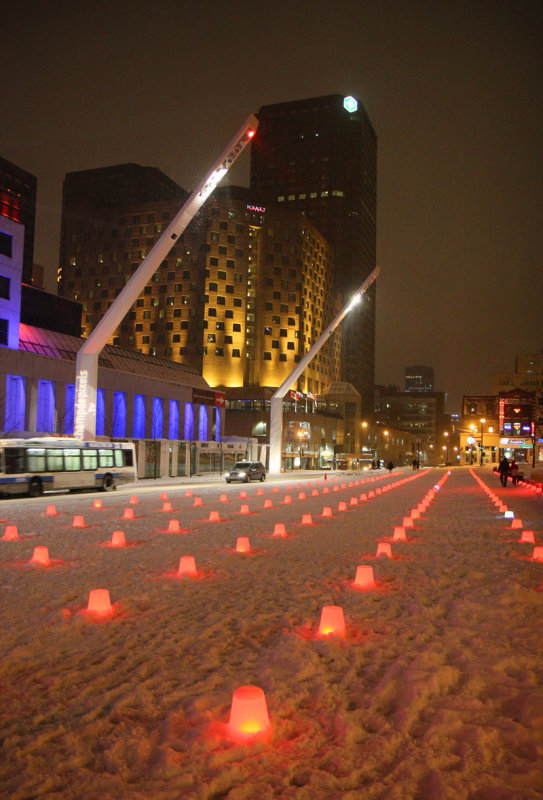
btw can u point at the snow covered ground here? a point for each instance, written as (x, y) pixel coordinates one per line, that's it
(436, 692)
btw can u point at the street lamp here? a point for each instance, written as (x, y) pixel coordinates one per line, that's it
(471, 441)
(483, 420)
(446, 446)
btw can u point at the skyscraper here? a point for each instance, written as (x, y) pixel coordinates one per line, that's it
(319, 156)
(419, 378)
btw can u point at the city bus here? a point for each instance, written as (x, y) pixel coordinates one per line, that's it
(32, 466)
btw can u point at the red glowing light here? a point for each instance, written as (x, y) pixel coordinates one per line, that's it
(527, 536)
(214, 516)
(537, 555)
(306, 519)
(99, 603)
(242, 545)
(128, 513)
(51, 511)
(79, 521)
(96, 504)
(166, 506)
(244, 509)
(279, 530)
(10, 534)
(332, 621)
(250, 133)
(249, 712)
(187, 566)
(384, 549)
(41, 556)
(364, 577)
(117, 539)
(399, 534)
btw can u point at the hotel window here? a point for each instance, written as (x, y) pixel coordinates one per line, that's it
(237, 301)
(236, 327)
(229, 314)
(221, 301)
(282, 356)
(6, 244)
(211, 312)
(267, 356)
(4, 287)
(219, 351)
(236, 353)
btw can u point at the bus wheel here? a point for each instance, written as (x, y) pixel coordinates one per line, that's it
(107, 483)
(35, 487)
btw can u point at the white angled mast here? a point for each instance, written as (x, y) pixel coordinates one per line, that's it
(276, 405)
(87, 357)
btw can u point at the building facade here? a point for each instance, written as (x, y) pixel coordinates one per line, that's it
(419, 378)
(18, 203)
(319, 156)
(421, 415)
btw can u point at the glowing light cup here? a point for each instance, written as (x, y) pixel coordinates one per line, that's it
(41, 556)
(527, 536)
(242, 545)
(117, 539)
(187, 566)
(332, 621)
(279, 530)
(128, 513)
(79, 521)
(364, 577)
(51, 511)
(11, 533)
(99, 603)
(399, 535)
(537, 555)
(384, 549)
(249, 712)
(214, 516)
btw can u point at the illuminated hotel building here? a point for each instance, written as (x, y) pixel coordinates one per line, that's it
(241, 297)
(18, 203)
(319, 156)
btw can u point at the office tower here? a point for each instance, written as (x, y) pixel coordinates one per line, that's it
(240, 297)
(419, 378)
(18, 203)
(319, 156)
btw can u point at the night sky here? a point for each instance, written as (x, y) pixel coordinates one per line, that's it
(454, 91)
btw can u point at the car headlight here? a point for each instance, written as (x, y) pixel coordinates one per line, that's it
(226, 474)
(242, 474)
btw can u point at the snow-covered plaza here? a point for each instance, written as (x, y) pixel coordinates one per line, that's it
(434, 693)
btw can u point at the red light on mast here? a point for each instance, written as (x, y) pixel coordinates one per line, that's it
(250, 133)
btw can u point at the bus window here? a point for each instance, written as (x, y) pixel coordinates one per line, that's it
(118, 458)
(15, 460)
(72, 460)
(35, 459)
(106, 458)
(90, 459)
(128, 458)
(55, 461)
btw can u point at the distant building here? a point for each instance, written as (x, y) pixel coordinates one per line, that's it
(242, 295)
(11, 270)
(18, 203)
(419, 378)
(421, 414)
(528, 374)
(319, 156)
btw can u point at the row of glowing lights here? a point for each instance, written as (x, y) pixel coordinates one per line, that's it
(248, 713)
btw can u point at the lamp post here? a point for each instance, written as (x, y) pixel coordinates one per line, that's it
(471, 443)
(446, 446)
(483, 420)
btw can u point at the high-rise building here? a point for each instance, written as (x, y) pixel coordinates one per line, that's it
(242, 295)
(319, 156)
(419, 378)
(18, 203)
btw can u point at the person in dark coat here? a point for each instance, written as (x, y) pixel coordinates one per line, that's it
(503, 469)
(390, 466)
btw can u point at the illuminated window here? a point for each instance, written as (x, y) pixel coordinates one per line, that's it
(173, 421)
(217, 425)
(119, 415)
(69, 406)
(188, 429)
(15, 403)
(100, 412)
(202, 424)
(45, 417)
(138, 427)
(158, 418)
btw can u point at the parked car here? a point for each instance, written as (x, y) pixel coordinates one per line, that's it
(246, 471)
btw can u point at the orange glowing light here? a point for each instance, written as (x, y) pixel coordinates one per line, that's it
(242, 545)
(97, 503)
(214, 516)
(408, 522)
(79, 521)
(166, 506)
(327, 511)
(301, 495)
(249, 712)
(384, 549)
(332, 621)
(188, 493)
(99, 603)
(537, 555)
(244, 509)
(163, 496)
(279, 530)
(268, 503)
(134, 500)
(287, 499)
(128, 513)
(307, 519)
(223, 498)
(516, 523)
(197, 501)
(174, 526)
(399, 534)
(187, 566)
(10, 534)
(527, 536)
(342, 506)
(41, 556)
(364, 577)
(353, 501)
(117, 539)
(51, 511)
